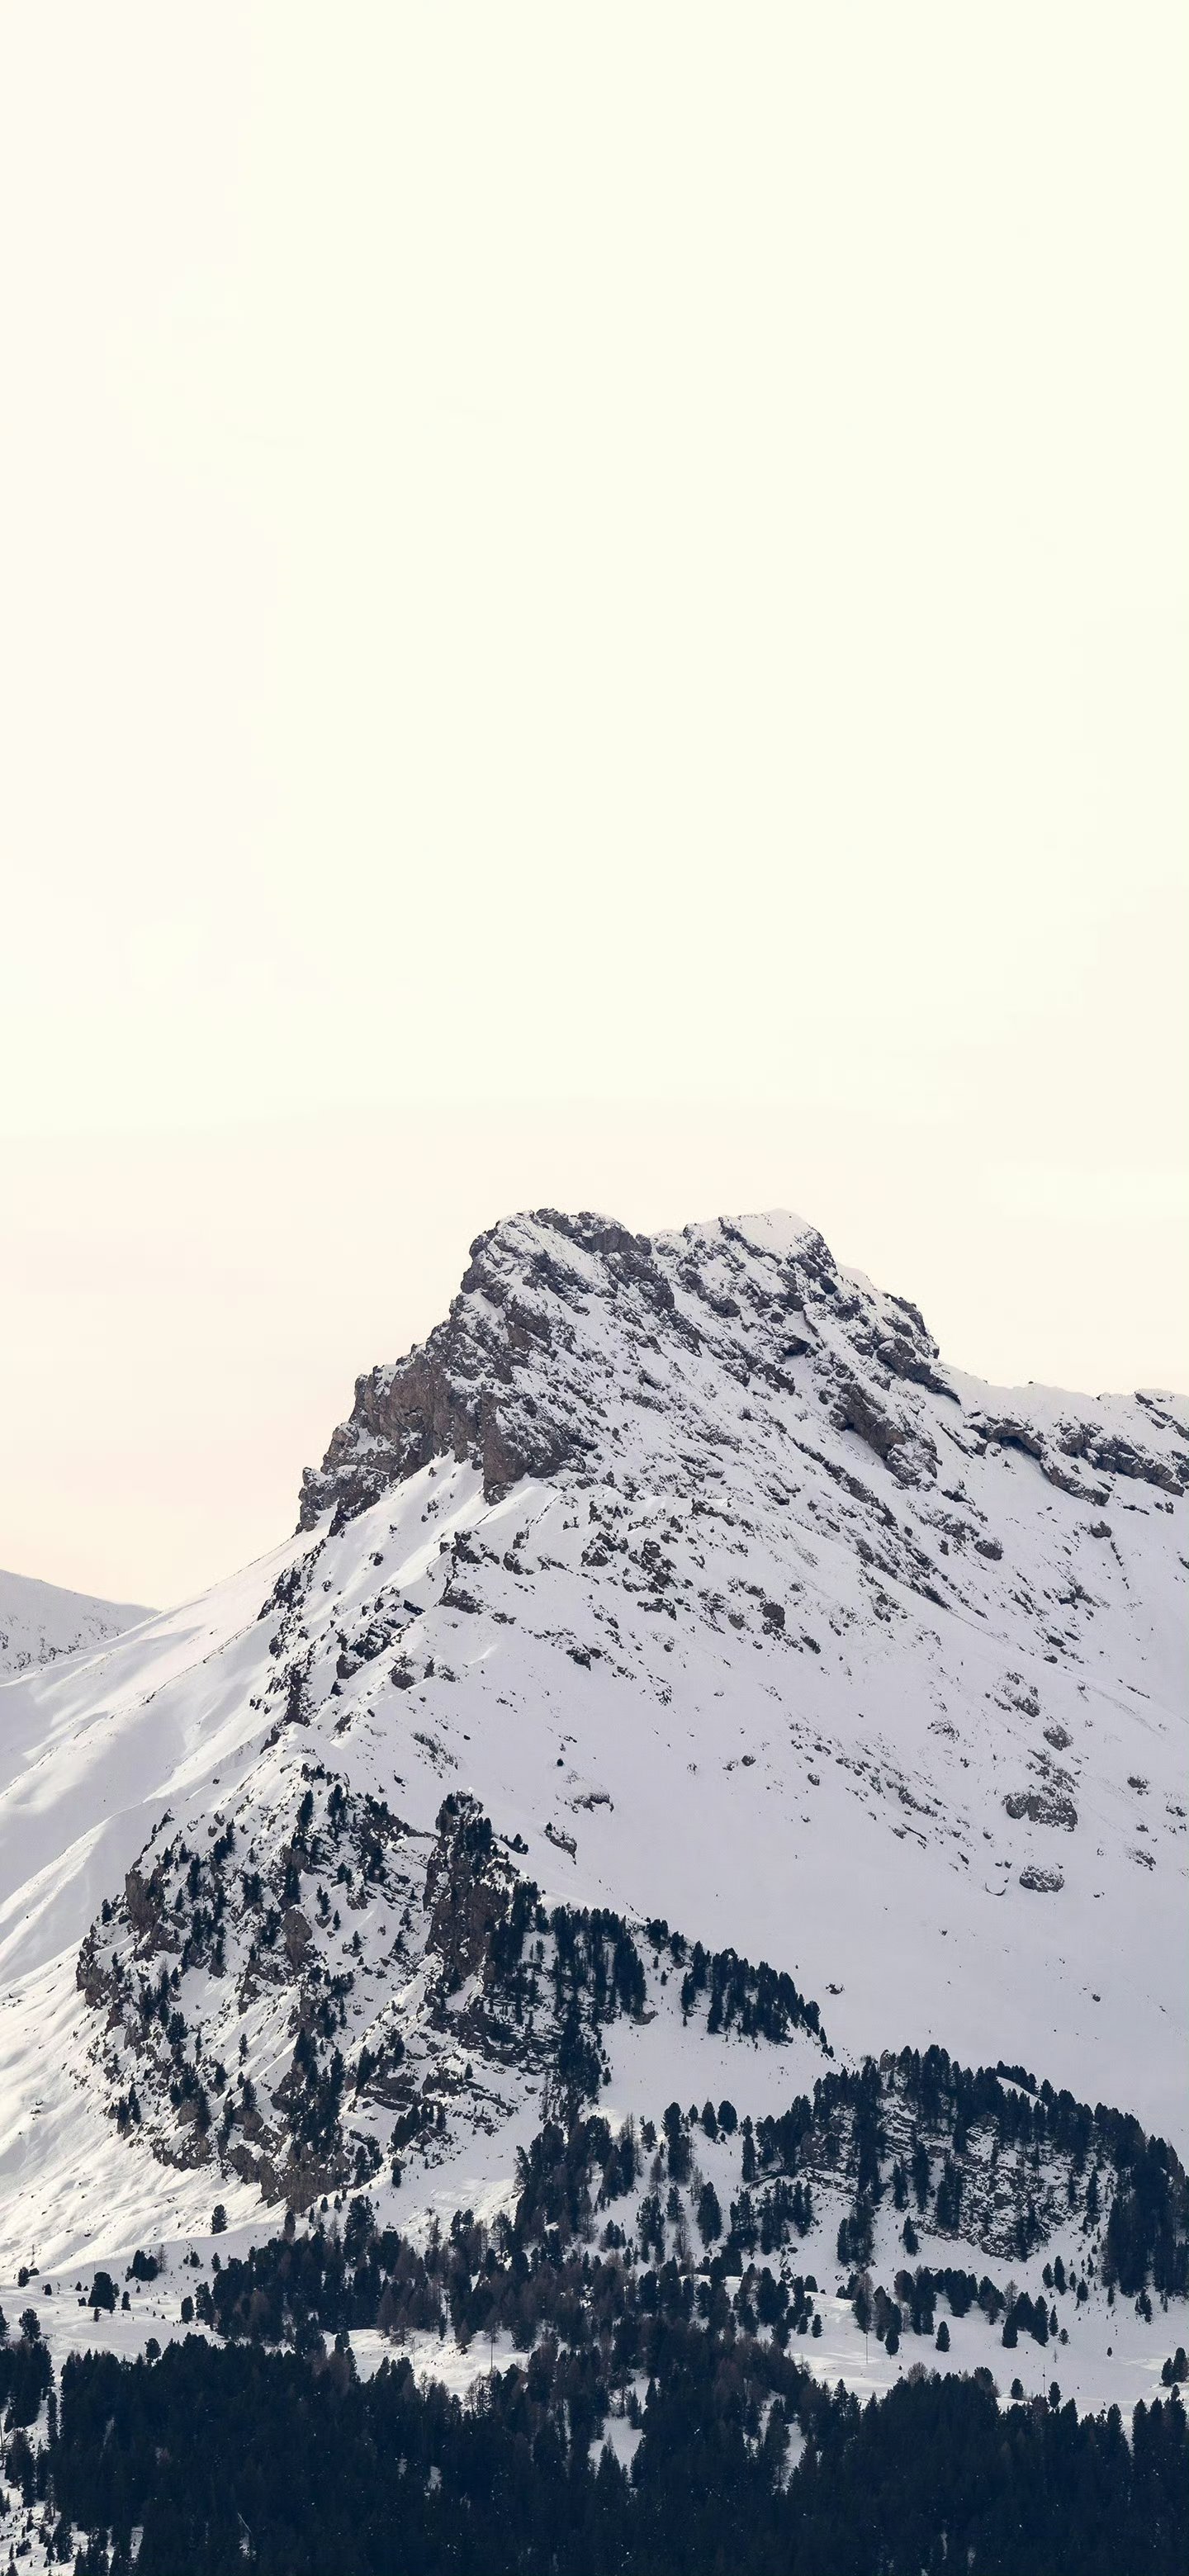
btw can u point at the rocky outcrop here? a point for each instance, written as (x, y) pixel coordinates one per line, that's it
(468, 1890)
(1117, 1457)
(897, 1443)
(1043, 1807)
(1090, 1445)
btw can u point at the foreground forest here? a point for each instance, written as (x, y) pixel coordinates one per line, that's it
(238, 2457)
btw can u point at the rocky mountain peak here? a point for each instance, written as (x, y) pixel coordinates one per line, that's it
(574, 1344)
(565, 1325)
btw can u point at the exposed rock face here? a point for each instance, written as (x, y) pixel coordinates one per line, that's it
(487, 1384)
(1055, 1445)
(468, 1890)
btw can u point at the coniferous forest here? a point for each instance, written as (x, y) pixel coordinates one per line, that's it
(234, 2457)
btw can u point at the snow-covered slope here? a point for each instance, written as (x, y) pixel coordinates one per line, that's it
(674, 1577)
(39, 1621)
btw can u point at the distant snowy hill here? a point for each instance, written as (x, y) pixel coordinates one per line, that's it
(38, 1621)
(683, 1688)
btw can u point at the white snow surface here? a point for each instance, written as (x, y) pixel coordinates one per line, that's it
(790, 1614)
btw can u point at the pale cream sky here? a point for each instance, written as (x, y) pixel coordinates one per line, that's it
(632, 557)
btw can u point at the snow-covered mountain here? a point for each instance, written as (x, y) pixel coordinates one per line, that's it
(39, 1621)
(681, 1689)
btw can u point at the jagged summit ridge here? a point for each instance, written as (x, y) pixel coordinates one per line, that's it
(568, 1332)
(526, 1376)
